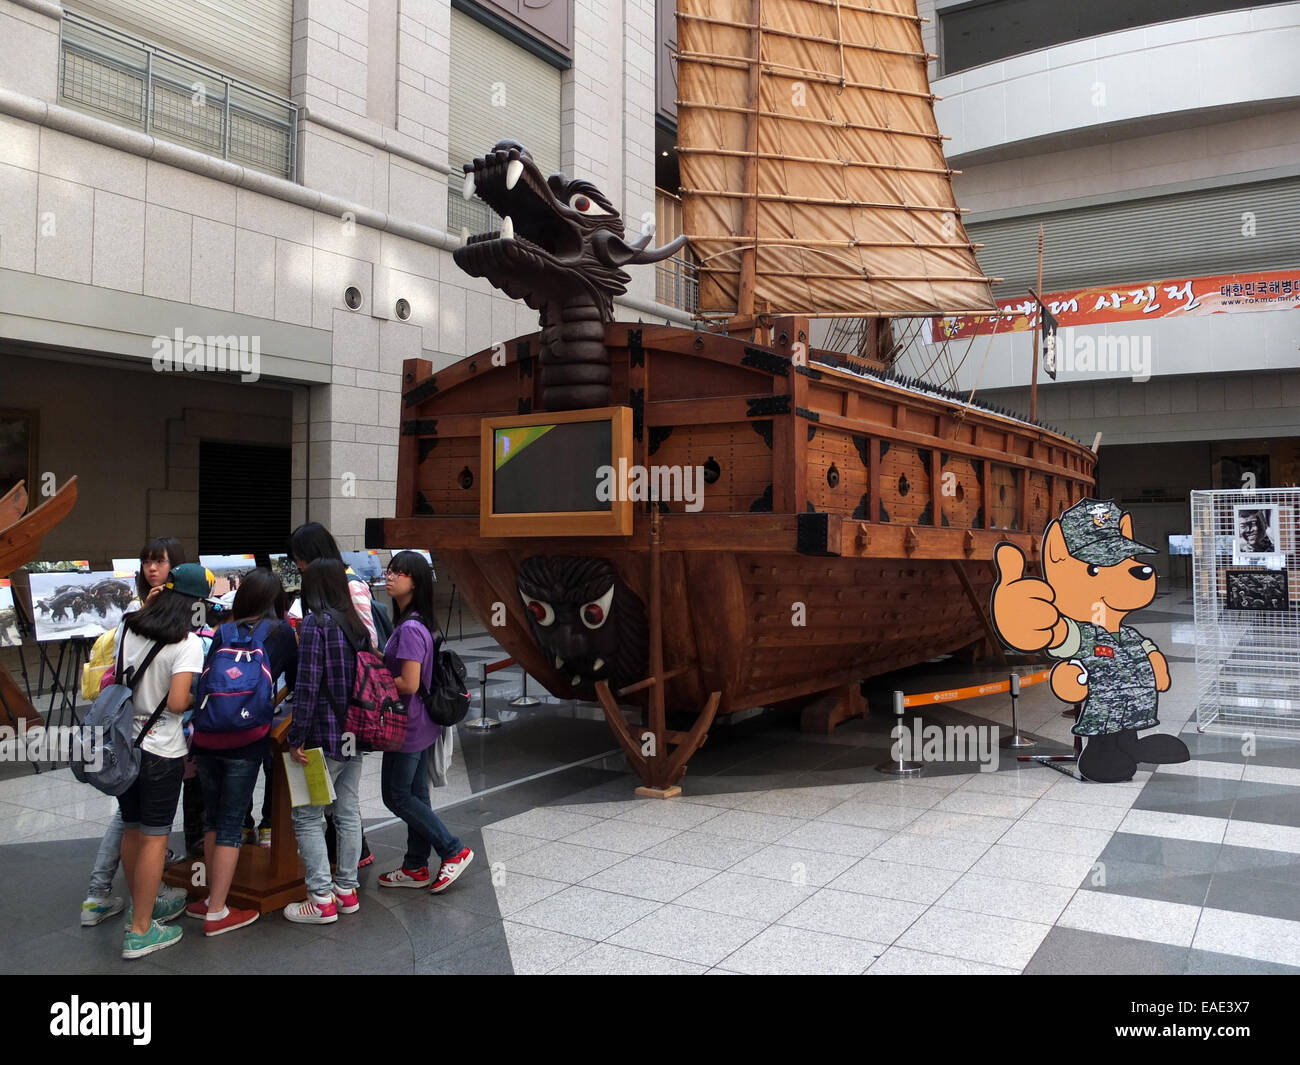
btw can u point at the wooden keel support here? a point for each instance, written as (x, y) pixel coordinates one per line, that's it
(832, 708)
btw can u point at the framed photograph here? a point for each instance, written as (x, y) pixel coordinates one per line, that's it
(287, 570)
(1257, 533)
(9, 634)
(229, 570)
(1258, 589)
(71, 604)
(19, 431)
(72, 566)
(368, 564)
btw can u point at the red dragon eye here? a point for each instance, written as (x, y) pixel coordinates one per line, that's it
(592, 614)
(581, 203)
(542, 613)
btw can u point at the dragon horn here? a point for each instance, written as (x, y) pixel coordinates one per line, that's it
(612, 250)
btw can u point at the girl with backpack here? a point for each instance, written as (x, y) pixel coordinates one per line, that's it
(157, 559)
(262, 647)
(308, 543)
(409, 657)
(326, 670)
(161, 628)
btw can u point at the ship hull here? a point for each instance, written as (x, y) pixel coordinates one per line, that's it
(847, 529)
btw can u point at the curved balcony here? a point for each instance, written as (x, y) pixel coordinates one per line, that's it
(1235, 60)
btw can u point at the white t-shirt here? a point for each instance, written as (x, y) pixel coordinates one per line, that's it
(166, 739)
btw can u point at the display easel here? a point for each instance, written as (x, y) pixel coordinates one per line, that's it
(65, 672)
(267, 878)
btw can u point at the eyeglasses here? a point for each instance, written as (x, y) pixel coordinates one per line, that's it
(389, 574)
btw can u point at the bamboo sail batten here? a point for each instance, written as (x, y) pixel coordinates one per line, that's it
(901, 167)
(774, 32)
(833, 123)
(739, 62)
(816, 118)
(781, 197)
(799, 242)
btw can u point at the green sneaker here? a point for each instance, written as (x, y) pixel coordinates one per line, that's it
(169, 905)
(137, 945)
(93, 911)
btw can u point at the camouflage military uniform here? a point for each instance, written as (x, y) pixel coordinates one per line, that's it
(1121, 682)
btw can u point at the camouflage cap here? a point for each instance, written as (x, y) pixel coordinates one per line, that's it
(1092, 534)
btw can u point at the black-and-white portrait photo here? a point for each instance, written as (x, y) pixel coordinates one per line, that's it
(1257, 589)
(1256, 531)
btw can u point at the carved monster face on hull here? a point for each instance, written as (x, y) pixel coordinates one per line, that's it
(589, 624)
(560, 249)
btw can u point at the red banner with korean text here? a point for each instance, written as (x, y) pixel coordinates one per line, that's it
(1272, 290)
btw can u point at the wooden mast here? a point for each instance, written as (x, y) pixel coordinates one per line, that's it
(1033, 380)
(744, 322)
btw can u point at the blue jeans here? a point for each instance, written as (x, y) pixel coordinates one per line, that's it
(309, 827)
(227, 791)
(405, 787)
(107, 860)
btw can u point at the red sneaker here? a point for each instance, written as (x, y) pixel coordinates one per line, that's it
(347, 901)
(451, 869)
(406, 878)
(233, 919)
(197, 910)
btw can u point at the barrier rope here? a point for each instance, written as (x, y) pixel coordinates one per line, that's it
(952, 695)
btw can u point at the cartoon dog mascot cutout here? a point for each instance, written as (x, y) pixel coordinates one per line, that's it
(1093, 581)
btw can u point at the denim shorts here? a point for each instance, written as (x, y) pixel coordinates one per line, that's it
(149, 804)
(227, 785)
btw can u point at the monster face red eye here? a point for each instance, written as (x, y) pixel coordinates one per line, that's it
(596, 613)
(542, 613)
(585, 204)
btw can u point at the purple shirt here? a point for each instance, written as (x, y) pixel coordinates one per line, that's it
(411, 642)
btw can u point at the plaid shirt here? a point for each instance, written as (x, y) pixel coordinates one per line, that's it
(326, 668)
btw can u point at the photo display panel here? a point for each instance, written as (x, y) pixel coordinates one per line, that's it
(550, 468)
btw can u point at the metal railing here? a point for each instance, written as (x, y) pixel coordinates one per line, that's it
(132, 83)
(472, 215)
(677, 284)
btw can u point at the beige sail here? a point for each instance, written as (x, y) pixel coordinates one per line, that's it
(835, 187)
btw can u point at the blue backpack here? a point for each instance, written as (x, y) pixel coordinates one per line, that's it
(236, 689)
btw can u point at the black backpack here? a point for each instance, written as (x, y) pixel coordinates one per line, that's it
(448, 703)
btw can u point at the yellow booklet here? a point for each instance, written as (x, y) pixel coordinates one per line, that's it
(310, 784)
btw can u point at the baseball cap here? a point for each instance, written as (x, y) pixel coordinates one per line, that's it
(1092, 533)
(191, 579)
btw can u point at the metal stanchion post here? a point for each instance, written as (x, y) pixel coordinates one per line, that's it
(484, 723)
(524, 699)
(899, 767)
(1016, 741)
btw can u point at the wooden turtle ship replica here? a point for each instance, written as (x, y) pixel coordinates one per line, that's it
(848, 517)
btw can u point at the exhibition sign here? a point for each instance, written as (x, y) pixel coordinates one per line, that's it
(1269, 290)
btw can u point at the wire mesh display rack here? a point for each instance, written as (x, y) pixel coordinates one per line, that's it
(137, 84)
(1246, 592)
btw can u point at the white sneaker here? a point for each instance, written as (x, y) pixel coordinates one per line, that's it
(313, 911)
(95, 911)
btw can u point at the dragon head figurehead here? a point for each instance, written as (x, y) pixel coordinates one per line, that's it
(561, 250)
(589, 624)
